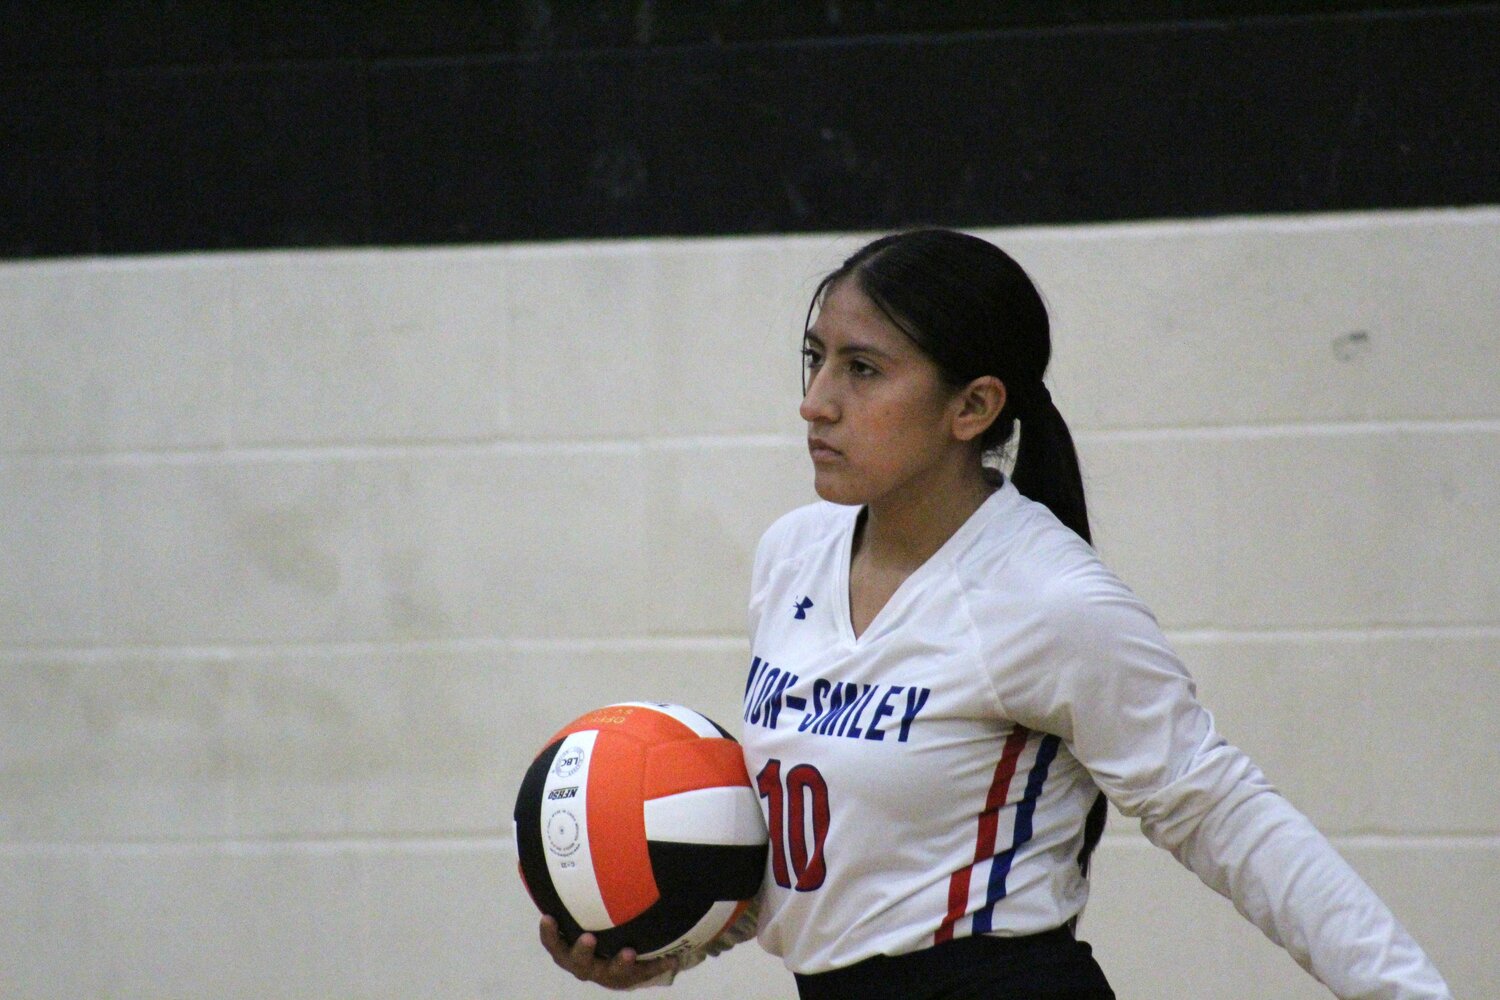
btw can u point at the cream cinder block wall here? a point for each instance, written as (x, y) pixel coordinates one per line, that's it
(304, 554)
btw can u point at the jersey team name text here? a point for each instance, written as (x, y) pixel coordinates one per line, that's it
(839, 708)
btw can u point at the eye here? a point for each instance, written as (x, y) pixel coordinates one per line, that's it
(862, 369)
(812, 360)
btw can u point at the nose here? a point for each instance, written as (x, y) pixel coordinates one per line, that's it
(818, 405)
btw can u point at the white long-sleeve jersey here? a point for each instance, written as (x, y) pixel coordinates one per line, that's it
(930, 778)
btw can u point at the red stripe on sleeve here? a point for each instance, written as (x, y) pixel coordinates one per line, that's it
(989, 824)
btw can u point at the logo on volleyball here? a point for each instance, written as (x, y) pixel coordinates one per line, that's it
(562, 833)
(568, 762)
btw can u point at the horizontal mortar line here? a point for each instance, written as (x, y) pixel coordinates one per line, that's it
(333, 844)
(436, 448)
(708, 641)
(1403, 841)
(604, 644)
(224, 651)
(459, 448)
(239, 846)
(1349, 633)
(1133, 840)
(1252, 432)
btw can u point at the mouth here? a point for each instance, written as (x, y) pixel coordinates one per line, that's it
(821, 450)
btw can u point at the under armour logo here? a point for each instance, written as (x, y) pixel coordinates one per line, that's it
(801, 607)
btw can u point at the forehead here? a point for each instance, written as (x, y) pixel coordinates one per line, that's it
(847, 319)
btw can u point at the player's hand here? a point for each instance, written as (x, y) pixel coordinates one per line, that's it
(618, 973)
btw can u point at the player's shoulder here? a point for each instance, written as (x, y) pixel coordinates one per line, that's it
(1031, 561)
(802, 526)
(793, 538)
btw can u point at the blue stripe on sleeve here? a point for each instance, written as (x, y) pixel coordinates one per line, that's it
(1000, 869)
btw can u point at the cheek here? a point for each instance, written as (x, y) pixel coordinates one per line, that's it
(901, 432)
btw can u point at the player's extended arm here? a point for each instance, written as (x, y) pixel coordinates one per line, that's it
(1105, 680)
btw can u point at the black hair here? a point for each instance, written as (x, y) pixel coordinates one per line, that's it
(974, 311)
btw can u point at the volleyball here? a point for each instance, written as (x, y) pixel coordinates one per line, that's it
(638, 823)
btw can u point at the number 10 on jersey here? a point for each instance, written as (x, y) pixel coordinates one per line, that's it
(798, 806)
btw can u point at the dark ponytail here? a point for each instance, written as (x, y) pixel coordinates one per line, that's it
(1046, 468)
(974, 311)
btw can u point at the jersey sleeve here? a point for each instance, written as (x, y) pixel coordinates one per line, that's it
(759, 580)
(1099, 673)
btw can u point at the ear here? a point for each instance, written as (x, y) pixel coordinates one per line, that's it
(978, 404)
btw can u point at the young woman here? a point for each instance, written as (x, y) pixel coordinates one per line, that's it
(946, 682)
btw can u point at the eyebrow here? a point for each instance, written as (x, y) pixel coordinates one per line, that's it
(847, 349)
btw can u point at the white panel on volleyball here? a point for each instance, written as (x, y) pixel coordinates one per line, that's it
(727, 815)
(565, 831)
(693, 720)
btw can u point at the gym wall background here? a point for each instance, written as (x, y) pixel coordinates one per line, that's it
(384, 386)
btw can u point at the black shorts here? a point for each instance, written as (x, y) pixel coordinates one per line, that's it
(1047, 966)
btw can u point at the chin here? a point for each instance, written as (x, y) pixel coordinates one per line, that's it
(830, 489)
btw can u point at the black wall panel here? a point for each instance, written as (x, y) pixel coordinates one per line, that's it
(156, 126)
(218, 158)
(49, 173)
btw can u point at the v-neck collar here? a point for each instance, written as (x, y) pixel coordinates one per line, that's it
(975, 522)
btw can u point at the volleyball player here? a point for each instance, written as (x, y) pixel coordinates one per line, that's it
(947, 683)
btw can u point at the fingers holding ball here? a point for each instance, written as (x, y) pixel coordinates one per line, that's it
(622, 971)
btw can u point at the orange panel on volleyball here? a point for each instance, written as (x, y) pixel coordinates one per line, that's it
(687, 767)
(617, 826)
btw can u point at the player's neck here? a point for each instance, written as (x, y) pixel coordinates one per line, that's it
(901, 532)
